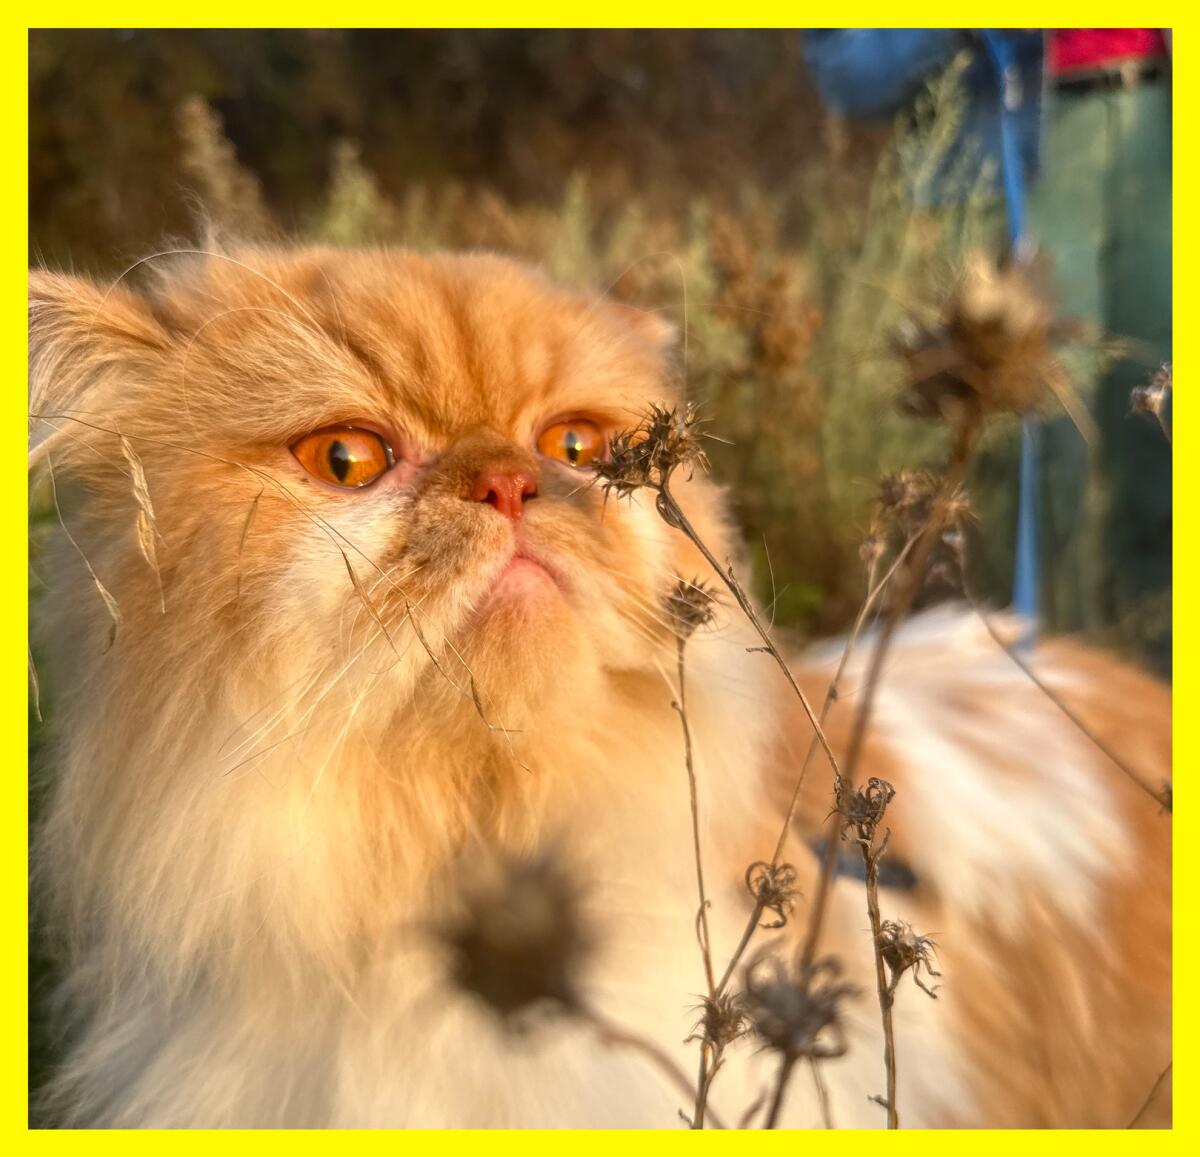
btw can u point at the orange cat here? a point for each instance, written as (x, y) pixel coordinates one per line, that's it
(338, 601)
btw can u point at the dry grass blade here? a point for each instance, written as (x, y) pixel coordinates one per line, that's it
(366, 599)
(1161, 797)
(246, 534)
(110, 603)
(35, 689)
(147, 524)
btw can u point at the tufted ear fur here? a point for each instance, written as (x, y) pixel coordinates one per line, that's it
(651, 327)
(83, 339)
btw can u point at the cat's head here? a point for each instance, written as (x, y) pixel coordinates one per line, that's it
(369, 471)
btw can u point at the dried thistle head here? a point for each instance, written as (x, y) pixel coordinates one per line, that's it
(864, 810)
(723, 1020)
(774, 887)
(519, 939)
(903, 949)
(991, 350)
(798, 1013)
(1152, 397)
(666, 439)
(690, 606)
(906, 496)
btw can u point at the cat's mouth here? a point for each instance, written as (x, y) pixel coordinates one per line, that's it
(526, 574)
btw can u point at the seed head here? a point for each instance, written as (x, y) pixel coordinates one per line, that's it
(798, 1013)
(774, 887)
(666, 439)
(723, 1020)
(992, 349)
(690, 606)
(519, 939)
(864, 810)
(1152, 397)
(903, 949)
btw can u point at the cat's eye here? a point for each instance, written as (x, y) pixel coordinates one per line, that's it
(344, 456)
(578, 442)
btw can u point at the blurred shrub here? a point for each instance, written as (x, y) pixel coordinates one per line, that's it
(689, 172)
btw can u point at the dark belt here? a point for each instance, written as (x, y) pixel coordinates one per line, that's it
(1130, 74)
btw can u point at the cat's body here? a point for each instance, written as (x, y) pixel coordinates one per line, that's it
(262, 790)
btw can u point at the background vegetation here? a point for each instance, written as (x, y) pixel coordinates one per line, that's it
(690, 171)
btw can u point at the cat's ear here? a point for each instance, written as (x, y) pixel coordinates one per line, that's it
(651, 327)
(84, 337)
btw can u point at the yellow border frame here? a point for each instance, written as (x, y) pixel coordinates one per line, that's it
(614, 13)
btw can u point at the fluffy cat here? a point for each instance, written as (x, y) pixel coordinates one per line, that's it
(337, 602)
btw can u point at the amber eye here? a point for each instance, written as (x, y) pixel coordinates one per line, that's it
(578, 442)
(344, 456)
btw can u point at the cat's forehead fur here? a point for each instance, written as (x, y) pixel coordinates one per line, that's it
(443, 343)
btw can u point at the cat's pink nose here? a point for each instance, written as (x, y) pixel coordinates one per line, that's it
(507, 488)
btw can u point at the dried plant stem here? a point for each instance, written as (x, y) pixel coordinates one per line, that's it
(781, 1082)
(874, 590)
(822, 1093)
(871, 857)
(671, 513)
(1058, 702)
(751, 1110)
(922, 552)
(616, 1036)
(708, 1051)
(702, 913)
(1150, 1096)
(674, 516)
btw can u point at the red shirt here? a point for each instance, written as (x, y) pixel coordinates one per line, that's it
(1074, 49)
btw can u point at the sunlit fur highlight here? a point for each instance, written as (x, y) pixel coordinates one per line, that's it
(256, 798)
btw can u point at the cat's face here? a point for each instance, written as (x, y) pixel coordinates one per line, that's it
(361, 470)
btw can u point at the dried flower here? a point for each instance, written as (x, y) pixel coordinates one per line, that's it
(798, 1014)
(691, 605)
(774, 887)
(666, 439)
(907, 495)
(992, 349)
(864, 810)
(1152, 398)
(519, 939)
(723, 1020)
(903, 949)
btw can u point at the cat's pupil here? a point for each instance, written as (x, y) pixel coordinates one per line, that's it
(339, 460)
(574, 447)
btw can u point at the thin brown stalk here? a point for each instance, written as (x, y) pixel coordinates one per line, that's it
(619, 1037)
(1150, 1096)
(751, 1110)
(871, 857)
(708, 1050)
(922, 553)
(1058, 702)
(781, 1082)
(675, 516)
(822, 1093)
(702, 913)
(874, 590)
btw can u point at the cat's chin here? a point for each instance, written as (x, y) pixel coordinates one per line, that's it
(523, 578)
(524, 584)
